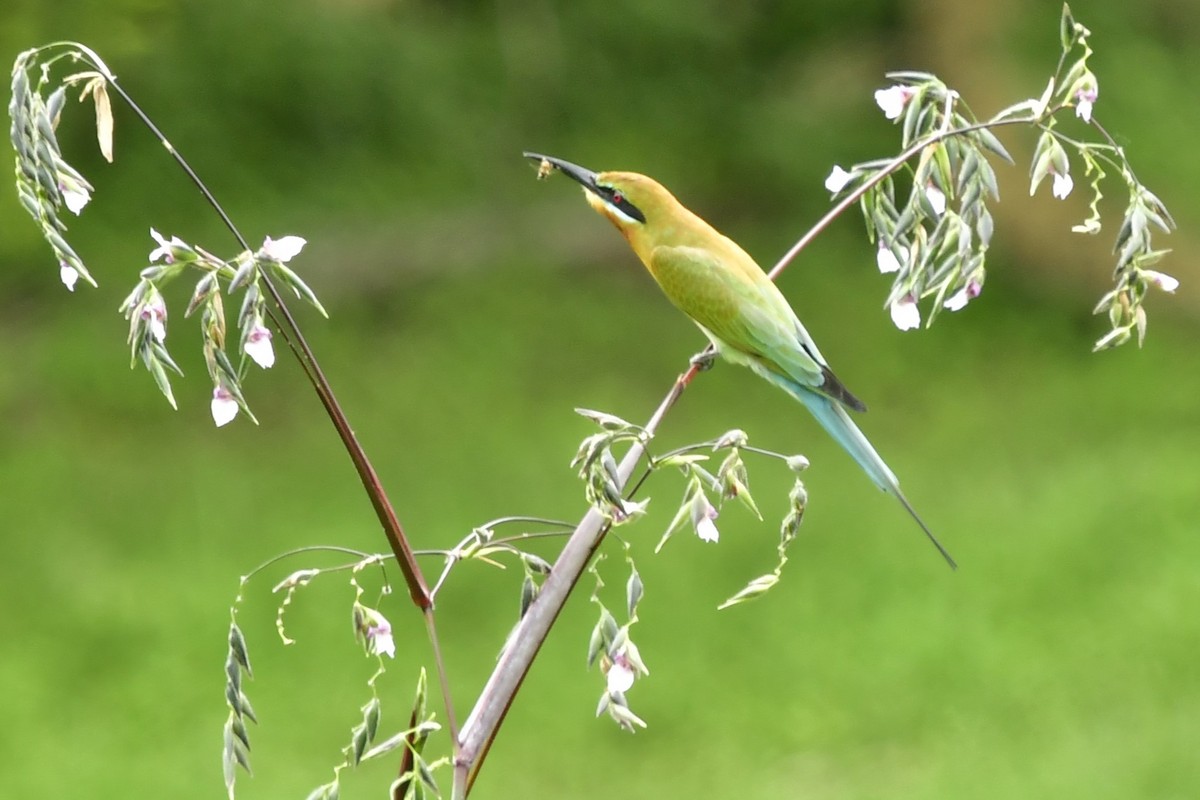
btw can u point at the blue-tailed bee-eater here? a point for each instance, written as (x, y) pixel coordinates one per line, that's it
(741, 311)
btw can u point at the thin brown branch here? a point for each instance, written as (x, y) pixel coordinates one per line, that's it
(884, 171)
(480, 728)
(286, 323)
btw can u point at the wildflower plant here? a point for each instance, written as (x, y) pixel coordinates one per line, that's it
(932, 230)
(927, 215)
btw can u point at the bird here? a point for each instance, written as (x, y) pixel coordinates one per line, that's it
(741, 311)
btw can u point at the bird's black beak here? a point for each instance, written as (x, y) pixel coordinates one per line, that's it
(574, 171)
(611, 197)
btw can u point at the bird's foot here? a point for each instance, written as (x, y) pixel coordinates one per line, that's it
(704, 360)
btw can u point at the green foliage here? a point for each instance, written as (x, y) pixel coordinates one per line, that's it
(1058, 662)
(1064, 644)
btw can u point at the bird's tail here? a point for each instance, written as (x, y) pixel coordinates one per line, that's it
(837, 422)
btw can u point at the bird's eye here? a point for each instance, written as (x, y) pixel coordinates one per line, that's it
(616, 200)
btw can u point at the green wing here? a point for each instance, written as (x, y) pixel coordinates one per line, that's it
(747, 314)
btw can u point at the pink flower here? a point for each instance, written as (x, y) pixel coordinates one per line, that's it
(282, 250)
(905, 313)
(1161, 280)
(623, 667)
(375, 630)
(154, 312)
(620, 674)
(379, 638)
(74, 194)
(959, 299)
(258, 346)
(893, 100)
(703, 514)
(224, 407)
(166, 249)
(1085, 98)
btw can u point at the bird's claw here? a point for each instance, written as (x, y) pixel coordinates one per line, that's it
(703, 360)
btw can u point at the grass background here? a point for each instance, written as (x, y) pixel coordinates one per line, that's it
(472, 308)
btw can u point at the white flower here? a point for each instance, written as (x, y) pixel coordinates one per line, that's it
(960, 298)
(1085, 98)
(631, 510)
(703, 514)
(1161, 280)
(379, 637)
(258, 346)
(224, 407)
(837, 179)
(623, 667)
(374, 630)
(165, 249)
(905, 313)
(620, 674)
(893, 100)
(154, 312)
(1062, 185)
(282, 250)
(797, 463)
(74, 194)
(68, 275)
(937, 199)
(886, 259)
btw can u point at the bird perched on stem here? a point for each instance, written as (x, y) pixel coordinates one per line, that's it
(741, 311)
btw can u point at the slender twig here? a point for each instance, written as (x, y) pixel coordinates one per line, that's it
(749, 448)
(440, 664)
(637, 485)
(554, 523)
(314, 548)
(525, 535)
(887, 169)
(479, 729)
(308, 360)
(455, 554)
(284, 321)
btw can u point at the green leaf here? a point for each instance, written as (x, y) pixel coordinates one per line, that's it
(1066, 28)
(371, 716)
(595, 644)
(104, 118)
(298, 286)
(237, 646)
(609, 422)
(633, 592)
(683, 514)
(161, 379)
(244, 707)
(755, 588)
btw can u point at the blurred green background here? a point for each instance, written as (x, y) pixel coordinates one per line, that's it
(473, 307)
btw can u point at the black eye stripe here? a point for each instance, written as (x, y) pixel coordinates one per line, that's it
(619, 200)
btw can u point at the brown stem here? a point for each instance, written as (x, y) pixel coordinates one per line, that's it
(884, 171)
(413, 578)
(479, 729)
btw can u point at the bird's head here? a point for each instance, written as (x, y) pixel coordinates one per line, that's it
(629, 200)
